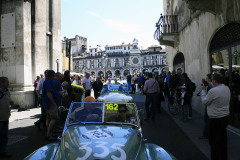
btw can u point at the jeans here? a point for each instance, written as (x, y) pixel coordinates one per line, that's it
(206, 124)
(42, 119)
(184, 111)
(129, 85)
(36, 99)
(96, 94)
(133, 89)
(3, 135)
(151, 99)
(218, 138)
(87, 93)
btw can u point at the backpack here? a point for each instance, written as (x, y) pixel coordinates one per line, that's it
(192, 87)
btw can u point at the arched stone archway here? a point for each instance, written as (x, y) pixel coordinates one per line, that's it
(126, 72)
(145, 71)
(179, 62)
(225, 57)
(163, 70)
(92, 73)
(136, 72)
(117, 73)
(100, 74)
(155, 71)
(109, 73)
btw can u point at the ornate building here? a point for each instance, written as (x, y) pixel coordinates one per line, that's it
(203, 36)
(121, 60)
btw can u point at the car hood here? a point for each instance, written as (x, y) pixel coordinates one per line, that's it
(100, 142)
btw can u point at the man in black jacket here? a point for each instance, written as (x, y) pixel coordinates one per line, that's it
(190, 88)
(97, 87)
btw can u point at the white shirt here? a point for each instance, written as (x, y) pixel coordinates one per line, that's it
(40, 85)
(182, 95)
(217, 101)
(87, 83)
(76, 82)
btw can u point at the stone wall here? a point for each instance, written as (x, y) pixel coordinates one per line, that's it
(37, 44)
(195, 37)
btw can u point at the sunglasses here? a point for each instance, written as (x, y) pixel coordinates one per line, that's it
(120, 111)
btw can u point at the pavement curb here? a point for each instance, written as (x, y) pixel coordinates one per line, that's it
(233, 129)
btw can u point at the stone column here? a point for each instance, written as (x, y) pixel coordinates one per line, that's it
(56, 34)
(41, 58)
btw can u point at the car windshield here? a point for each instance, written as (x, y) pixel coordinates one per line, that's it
(99, 112)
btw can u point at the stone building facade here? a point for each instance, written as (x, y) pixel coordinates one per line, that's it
(30, 44)
(121, 60)
(203, 36)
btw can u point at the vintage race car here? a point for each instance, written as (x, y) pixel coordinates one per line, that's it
(101, 130)
(114, 88)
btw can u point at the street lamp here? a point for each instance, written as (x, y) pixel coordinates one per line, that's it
(57, 61)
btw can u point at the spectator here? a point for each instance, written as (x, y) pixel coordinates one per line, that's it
(67, 79)
(152, 90)
(77, 80)
(190, 88)
(65, 87)
(97, 87)
(183, 100)
(42, 119)
(208, 84)
(50, 101)
(58, 87)
(160, 81)
(67, 99)
(87, 84)
(133, 85)
(167, 85)
(217, 101)
(4, 116)
(35, 92)
(140, 82)
(143, 81)
(174, 83)
(129, 81)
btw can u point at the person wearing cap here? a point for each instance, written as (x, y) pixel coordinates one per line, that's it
(90, 113)
(184, 101)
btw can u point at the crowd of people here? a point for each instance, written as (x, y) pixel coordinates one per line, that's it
(54, 89)
(215, 96)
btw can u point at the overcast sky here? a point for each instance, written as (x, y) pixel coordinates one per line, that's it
(111, 22)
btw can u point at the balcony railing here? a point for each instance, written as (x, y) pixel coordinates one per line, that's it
(166, 24)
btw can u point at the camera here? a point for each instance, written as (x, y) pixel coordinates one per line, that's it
(204, 82)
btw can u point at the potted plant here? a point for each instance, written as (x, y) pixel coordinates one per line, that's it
(77, 92)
